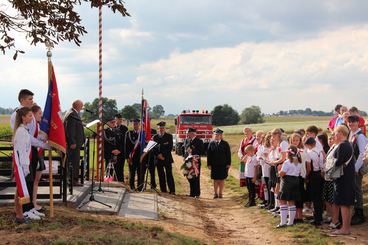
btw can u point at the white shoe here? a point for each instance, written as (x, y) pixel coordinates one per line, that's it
(31, 215)
(39, 214)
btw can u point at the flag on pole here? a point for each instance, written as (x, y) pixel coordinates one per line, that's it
(145, 125)
(51, 122)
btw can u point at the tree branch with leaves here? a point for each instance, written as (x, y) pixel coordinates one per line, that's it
(46, 20)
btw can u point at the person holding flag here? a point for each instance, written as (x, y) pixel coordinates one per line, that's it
(164, 158)
(133, 153)
(25, 98)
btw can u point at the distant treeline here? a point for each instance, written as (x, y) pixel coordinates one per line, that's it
(310, 112)
(6, 111)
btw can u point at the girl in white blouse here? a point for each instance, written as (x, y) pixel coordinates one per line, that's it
(22, 150)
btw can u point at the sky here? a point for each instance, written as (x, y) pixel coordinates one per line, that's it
(187, 54)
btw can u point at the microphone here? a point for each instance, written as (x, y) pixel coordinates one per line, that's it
(89, 111)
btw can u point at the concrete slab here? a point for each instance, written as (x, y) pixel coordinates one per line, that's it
(112, 196)
(142, 205)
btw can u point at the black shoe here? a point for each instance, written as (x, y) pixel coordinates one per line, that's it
(270, 207)
(215, 196)
(20, 221)
(281, 226)
(172, 193)
(220, 196)
(298, 221)
(357, 220)
(316, 223)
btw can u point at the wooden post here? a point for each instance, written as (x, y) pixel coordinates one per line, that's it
(51, 186)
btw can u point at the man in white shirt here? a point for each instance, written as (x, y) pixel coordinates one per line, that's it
(358, 141)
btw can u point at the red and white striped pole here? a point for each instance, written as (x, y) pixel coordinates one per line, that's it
(100, 124)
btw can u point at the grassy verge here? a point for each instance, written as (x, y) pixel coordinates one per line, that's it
(72, 227)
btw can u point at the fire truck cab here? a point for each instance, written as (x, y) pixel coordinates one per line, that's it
(200, 120)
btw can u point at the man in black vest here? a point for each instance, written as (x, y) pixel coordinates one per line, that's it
(164, 158)
(358, 142)
(133, 154)
(194, 146)
(75, 138)
(121, 130)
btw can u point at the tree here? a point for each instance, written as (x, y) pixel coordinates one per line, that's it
(224, 115)
(251, 114)
(109, 109)
(129, 112)
(157, 111)
(46, 20)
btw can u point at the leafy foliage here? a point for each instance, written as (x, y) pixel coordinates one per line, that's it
(109, 109)
(251, 114)
(157, 111)
(129, 112)
(224, 115)
(46, 20)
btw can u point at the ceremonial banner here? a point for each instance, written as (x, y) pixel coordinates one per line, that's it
(52, 123)
(145, 125)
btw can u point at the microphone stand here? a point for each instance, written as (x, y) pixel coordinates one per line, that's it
(92, 197)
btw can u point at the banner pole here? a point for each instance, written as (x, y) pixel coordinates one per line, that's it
(51, 186)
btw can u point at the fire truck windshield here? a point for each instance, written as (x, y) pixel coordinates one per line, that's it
(195, 119)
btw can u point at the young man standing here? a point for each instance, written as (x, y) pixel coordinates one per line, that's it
(358, 141)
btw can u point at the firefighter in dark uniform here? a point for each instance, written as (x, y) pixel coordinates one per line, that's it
(149, 162)
(133, 154)
(120, 140)
(111, 147)
(164, 158)
(193, 146)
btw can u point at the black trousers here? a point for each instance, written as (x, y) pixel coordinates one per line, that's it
(148, 163)
(134, 170)
(119, 168)
(316, 192)
(195, 185)
(73, 156)
(29, 181)
(251, 190)
(164, 170)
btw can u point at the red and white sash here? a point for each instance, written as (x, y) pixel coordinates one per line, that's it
(20, 180)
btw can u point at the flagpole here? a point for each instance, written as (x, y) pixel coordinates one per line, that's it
(49, 54)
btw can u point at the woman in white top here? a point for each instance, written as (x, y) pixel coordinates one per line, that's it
(276, 157)
(21, 160)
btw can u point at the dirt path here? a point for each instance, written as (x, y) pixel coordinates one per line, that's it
(220, 221)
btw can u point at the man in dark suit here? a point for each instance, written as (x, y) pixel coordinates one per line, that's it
(111, 147)
(133, 154)
(149, 162)
(164, 158)
(75, 138)
(121, 130)
(194, 146)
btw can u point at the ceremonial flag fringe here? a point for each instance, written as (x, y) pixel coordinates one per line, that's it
(52, 123)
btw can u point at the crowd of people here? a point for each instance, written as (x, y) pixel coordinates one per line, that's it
(311, 170)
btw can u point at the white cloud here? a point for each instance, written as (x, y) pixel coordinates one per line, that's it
(316, 69)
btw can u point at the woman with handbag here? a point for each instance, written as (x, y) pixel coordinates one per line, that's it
(344, 185)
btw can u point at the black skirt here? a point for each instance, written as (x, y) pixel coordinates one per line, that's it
(273, 176)
(290, 190)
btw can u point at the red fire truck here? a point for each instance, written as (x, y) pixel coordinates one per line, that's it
(200, 120)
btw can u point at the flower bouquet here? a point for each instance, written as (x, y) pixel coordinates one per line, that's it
(190, 167)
